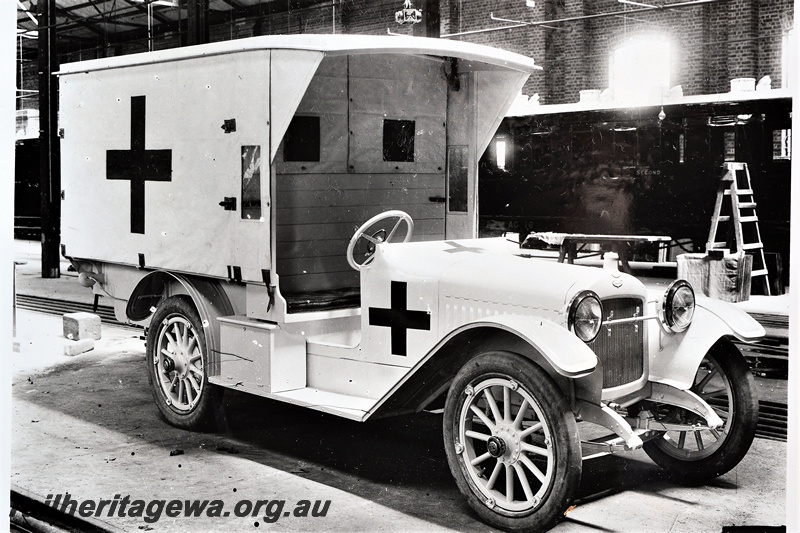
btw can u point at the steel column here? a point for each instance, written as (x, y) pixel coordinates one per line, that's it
(197, 22)
(49, 153)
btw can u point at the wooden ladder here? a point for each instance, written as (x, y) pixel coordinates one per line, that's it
(741, 221)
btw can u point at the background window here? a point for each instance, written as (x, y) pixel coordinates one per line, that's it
(398, 140)
(788, 51)
(782, 144)
(301, 142)
(730, 146)
(501, 145)
(639, 69)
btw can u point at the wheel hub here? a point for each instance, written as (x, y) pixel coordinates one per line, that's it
(169, 364)
(182, 362)
(497, 446)
(511, 443)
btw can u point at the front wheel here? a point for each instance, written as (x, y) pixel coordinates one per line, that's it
(177, 357)
(724, 381)
(511, 442)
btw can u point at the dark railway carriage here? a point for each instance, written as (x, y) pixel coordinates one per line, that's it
(572, 168)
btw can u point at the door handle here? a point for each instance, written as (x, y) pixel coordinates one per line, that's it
(229, 203)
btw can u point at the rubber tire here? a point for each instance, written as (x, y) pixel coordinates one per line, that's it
(558, 415)
(731, 362)
(206, 412)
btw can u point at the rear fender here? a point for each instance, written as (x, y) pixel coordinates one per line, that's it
(674, 357)
(207, 295)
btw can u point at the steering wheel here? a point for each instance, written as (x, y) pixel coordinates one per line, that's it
(378, 236)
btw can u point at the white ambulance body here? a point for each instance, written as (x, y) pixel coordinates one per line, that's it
(295, 217)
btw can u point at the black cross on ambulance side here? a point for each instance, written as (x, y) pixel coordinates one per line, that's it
(399, 318)
(138, 165)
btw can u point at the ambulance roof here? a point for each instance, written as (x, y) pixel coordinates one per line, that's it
(327, 44)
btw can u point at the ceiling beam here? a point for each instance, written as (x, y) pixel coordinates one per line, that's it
(234, 4)
(71, 16)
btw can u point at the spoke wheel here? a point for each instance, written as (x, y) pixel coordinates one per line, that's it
(176, 357)
(511, 442)
(179, 364)
(724, 381)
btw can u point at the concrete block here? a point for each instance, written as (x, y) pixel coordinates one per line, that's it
(78, 347)
(78, 326)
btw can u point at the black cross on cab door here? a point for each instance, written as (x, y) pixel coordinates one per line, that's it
(138, 164)
(399, 318)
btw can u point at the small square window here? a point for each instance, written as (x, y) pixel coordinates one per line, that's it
(301, 142)
(398, 140)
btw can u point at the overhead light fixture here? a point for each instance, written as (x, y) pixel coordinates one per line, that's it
(163, 3)
(640, 4)
(661, 114)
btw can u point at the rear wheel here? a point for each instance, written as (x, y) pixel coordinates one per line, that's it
(176, 366)
(725, 382)
(511, 442)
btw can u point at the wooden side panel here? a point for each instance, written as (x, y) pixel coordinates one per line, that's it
(321, 203)
(397, 88)
(317, 216)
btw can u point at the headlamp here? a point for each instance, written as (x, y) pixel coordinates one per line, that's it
(585, 315)
(677, 306)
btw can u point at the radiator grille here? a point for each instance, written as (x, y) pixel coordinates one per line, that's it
(620, 347)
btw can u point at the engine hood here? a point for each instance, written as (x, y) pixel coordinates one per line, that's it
(494, 275)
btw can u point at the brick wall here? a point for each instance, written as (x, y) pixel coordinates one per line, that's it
(711, 43)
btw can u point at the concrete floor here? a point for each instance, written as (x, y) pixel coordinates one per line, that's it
(87, 425)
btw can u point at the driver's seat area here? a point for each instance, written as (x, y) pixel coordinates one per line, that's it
(324, 300)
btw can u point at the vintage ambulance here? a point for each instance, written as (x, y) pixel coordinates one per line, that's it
(295, 217)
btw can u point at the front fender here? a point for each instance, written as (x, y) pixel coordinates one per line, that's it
(566, 353)
(743, 326)
(675, 357)
(562, 355)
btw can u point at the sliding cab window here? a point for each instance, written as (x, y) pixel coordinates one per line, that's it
(251, 182)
